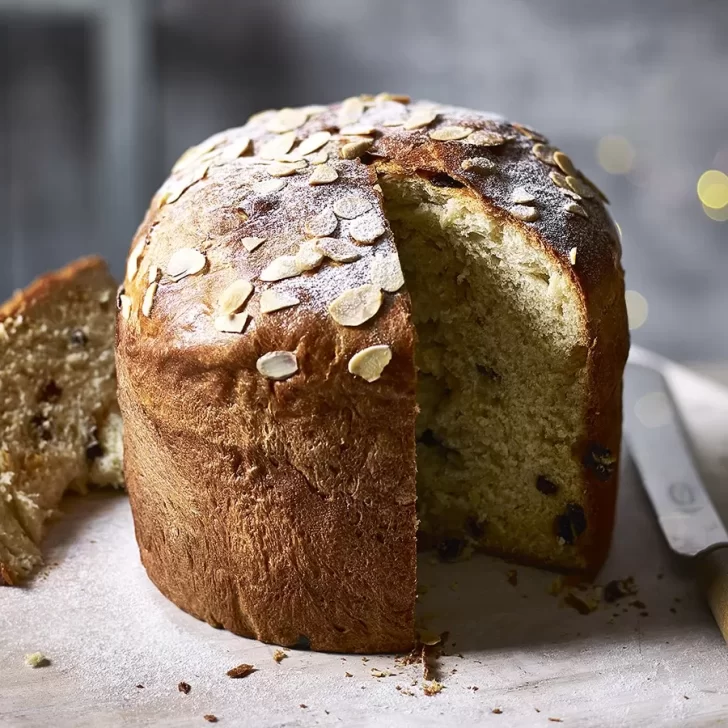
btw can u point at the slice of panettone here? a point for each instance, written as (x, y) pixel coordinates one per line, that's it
(59, 423)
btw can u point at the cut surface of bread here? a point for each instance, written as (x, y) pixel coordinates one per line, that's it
(339, 322)
(59, 422)
(501, 379)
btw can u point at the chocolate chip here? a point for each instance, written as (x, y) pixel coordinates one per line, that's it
(440, 179)
(487, 371)
(302, 643)
(475, 527)
(42, 427)
(546, 486)
(450, 548)
(428, 438)
(78, 338)
(571, 524)
(600, 461)
(51, 392)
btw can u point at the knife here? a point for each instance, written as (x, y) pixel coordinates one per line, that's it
(659, 447)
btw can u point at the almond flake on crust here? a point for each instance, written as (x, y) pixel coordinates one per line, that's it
(314, 142)
(132, 265)
(480, 164)
(572, 256)
(338, 250)
(420, 118)
(308, 256)
(575, 209)
(564, 163)
(280, 268)
(322, 224)
(366, 229)
(543, 152)
(148, 301)
(350, 111)
(251, 243)
(274, 148)
(323, 174)
(580, 187)
(559, 180)
(369, 363)
(269, 186)
(282, 169)
(234, 297)
(351, 206)
(232, 324)
(356, 306)
(125, 306)
(354, 150)
(277, 365)
(185, 262)
(272, 300)
(521, 196)
(450, 133)
(287, 120)
(386, 273)
(486, 138)
(525, 213)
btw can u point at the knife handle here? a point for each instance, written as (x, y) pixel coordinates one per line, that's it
(712, 570)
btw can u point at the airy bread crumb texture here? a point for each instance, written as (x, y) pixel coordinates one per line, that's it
(60, 424)
(501, 378)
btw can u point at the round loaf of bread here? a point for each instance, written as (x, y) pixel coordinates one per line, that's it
(347, 328)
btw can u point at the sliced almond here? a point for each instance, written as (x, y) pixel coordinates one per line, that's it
(357, 130)
(420, 118)
(572, 256)
(386, 96)
(232, 324)
(233, 298)
(521, 196)
(323, 174)
(148, 301)
(559, 180)
(525, 213)
(369, 363)
(530, 133)
(479, 164)
(366, 229)
(350, 111)
(543, 152)
(125, 306)
(293, 158)
(386, 273)
(320, 157)
(351, 206)
(450, 133)
(185, 262)
(269, 186)
(236, 149)
(280, 268)
(354, 150)
(486, 138)
(356, 306)
(575, 209)
(274, 148)
(132, 265)
(287, 120)
(282, 169)
(322, 224)
(308, 256)
(564, 163)
(277, 365)
(314, 142)
(580, 187)
(250, 244)
(338, 250)
(271, 300)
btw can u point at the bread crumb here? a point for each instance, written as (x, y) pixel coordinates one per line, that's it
(512, 577)
(242, 670)
(348, 674)
(303, 705)
(210, 718)
(432, 688)
(184, 687)
(497, 711)
(279, 655)
(37, 659)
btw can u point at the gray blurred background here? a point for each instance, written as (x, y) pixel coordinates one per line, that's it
(99, 97)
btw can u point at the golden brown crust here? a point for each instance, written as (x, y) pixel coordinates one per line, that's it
(49, 284)
(284, 510)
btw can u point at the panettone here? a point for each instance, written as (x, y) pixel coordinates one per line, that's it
(61, 427)
(339, 320)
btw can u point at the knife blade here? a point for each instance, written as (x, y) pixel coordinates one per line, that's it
(659, 447)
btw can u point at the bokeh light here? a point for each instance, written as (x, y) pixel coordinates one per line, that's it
(713, 194)
(637, 309)
(653, 409)
(615, 154)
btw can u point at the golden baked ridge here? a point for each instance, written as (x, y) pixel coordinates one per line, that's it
(337, 320)
(61, 427)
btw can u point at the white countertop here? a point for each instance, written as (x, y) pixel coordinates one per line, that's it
(106, 630)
